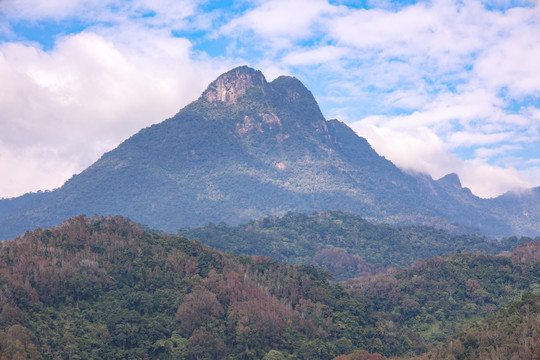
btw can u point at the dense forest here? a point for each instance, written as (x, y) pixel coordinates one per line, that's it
(343, 243)
(439, 297)
(105, 288)
(463, 306)
(513, 333)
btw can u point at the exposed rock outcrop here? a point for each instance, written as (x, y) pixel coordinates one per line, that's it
(233, 84)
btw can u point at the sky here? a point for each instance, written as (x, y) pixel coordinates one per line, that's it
(437, 87)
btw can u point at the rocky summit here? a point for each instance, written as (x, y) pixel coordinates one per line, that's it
(248, 148)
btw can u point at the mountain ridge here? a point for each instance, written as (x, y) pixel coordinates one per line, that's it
(247, 148)
(342, 243)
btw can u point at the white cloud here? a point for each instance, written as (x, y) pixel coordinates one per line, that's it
(407, 99)
(33, 10)
(160, 13)
(421, 150)
(33, 168)
(279, 22)
(63, 108)
(418, 149)
(165, 13)
(487, 180)
(486, 153)
(438, 34)
(315, 56)
(513, 64)
(468, 138)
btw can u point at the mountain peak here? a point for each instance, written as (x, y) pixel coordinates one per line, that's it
(450, 180)
(292, 89)
(233, 84)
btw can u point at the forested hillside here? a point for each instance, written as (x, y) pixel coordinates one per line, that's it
(345, 244)
(458, 307)
(440, 297)
(513, 333)
(104, 288)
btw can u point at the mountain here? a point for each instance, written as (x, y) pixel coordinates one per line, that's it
(342, 243)
(249, 148)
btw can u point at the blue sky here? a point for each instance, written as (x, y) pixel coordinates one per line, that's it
(435, 86)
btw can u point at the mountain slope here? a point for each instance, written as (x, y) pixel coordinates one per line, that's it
(438, 298)
(509, 334)
(248, 148)
(344, 244)
(103, 288)
(512, 333)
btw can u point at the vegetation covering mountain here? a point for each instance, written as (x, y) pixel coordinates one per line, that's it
(103, 288)
(440, 297)
(249, 148)
(342, 243)
(512, 333)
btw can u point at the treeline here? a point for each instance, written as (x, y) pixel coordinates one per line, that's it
(342, 243)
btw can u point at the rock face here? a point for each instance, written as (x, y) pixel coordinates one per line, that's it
(249, 148)
(230, 86)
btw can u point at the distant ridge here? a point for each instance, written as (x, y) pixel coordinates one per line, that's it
(248, 148)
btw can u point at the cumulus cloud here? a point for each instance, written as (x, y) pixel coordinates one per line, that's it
(280, 22)
(63, 108)
(488, 180)
(33, 169)
(421, 150)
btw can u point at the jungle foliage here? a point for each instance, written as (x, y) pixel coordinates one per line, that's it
(344, 244)
(105, 288)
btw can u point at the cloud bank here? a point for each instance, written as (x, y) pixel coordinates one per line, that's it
(67, 106)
